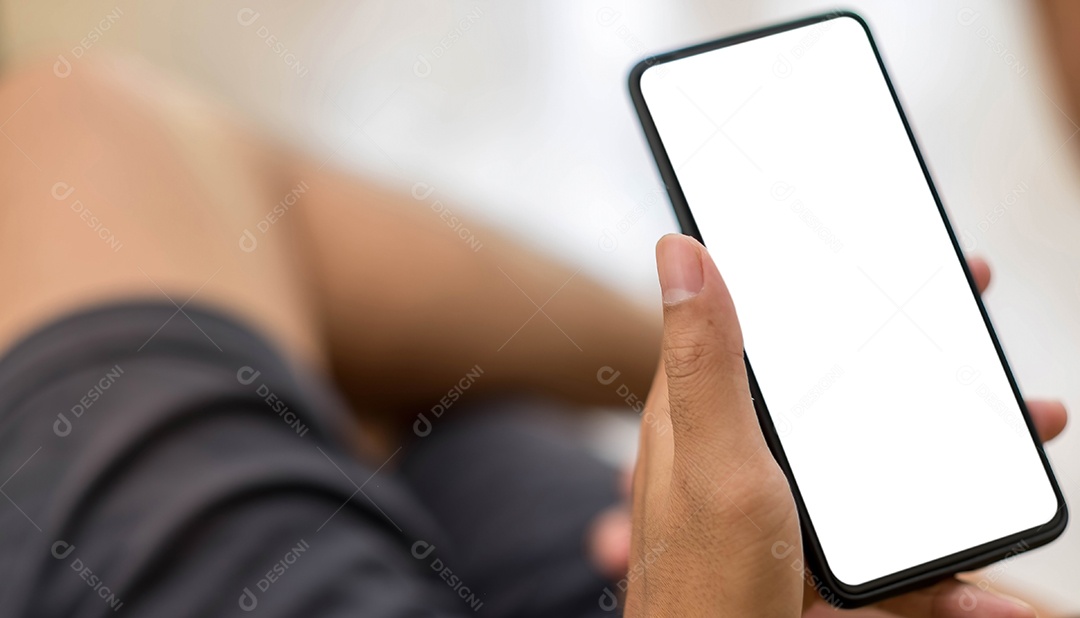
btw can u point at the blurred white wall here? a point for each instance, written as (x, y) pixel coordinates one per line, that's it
(517, 113)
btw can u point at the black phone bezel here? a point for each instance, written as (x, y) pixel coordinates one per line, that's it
(827, 584)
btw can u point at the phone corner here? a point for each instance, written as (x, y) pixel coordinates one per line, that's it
(1059, 522)
(849, 13)
(634, 76)
(838, 594)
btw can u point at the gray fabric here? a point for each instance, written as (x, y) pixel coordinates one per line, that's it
(517, 496)
(179, 486)
(148, 470)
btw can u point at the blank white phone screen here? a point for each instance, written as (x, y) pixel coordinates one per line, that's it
(890, 401)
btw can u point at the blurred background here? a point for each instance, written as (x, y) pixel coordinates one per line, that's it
(516, 114)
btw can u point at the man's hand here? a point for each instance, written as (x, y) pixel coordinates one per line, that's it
(709, 503)
(709, 500)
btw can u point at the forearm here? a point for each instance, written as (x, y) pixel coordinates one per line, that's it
(410, 307)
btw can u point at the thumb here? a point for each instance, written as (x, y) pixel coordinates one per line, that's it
(710, 405)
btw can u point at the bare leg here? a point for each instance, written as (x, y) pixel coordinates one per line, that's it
(107, 193)
(410, 307)
(118, 183)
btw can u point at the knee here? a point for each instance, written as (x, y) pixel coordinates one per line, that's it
(96, 86)
(65, 117)
(47, 83)
(52, 117)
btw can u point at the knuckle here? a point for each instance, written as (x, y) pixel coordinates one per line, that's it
(701, 344)
(686, 355)
(764, 486)
(744, 489)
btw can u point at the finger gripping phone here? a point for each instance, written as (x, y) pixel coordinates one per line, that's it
(879, 383)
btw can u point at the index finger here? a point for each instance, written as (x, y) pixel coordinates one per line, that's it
(955, 599)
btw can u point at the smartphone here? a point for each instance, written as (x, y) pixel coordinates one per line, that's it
(879, 383)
